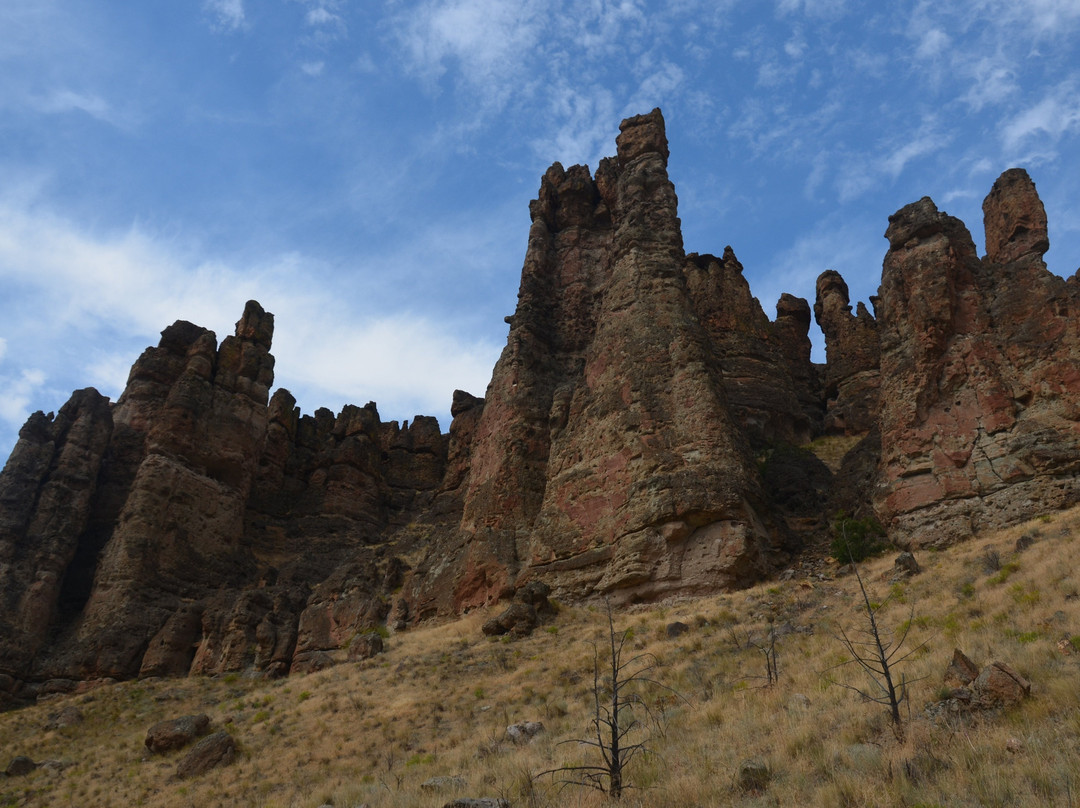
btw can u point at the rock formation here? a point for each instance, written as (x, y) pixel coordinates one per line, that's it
(640, 437)
(608, 458)
(980, 371)
(853, 353)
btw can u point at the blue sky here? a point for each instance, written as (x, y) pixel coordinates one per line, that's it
(363, 169)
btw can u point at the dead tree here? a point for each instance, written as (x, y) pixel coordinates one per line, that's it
(618, 734)
(878, 657)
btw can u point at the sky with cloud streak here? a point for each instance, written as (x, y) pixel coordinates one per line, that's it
(363, 169)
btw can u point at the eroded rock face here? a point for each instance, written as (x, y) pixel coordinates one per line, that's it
(607, 458)
(852, 348)
(980, 370)
(195, 528)
(640, 437)
(769, 382)
(46, 495)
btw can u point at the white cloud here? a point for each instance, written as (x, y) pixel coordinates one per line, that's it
(313, 68)
(485, 39)
(958, 193)
(993, 81)
(18, 393)
(67, 100)
(1053, 17)
(922, 144)
(408, 364)
(3, 348)
(588, 122)
(796, 46)
(812, 8)
(321, 16)
(105, 294)
(657, 87)
(1053, 116)
(866, 170)
(932, 44)
(228, 14)
(772, 72)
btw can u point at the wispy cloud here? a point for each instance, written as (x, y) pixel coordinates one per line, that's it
(812, 8)
(484, 39)
(19, 391)
(932, 44)
(585, 126)
(1056, 114)
(68, 100)
(864, 171)
(1054, 17)
(320, 15)
(227, 15)
(993, 81)
(928, 141)
(122, 289)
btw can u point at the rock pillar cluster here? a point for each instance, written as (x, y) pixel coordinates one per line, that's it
(645, 433)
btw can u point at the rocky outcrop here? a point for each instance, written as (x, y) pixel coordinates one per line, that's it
(980, 369)
(195, 527)
(644, 434)
(852, 376)
(770, 384)
(46, 495)
(607, 458)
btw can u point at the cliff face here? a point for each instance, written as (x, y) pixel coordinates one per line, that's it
(980, 371)
(612, 455)
(197, 527)
(637, 439)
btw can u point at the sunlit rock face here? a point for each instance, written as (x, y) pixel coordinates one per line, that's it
(980, 371)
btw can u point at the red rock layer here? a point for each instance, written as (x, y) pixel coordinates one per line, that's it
(980, 371)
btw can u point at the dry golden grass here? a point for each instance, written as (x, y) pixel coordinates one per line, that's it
(438, 702)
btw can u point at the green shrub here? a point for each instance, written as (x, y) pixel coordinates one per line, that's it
(857, 539)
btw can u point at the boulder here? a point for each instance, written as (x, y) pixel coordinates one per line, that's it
(20, 766)
(70, 716)
(676, 629)
(905, 566)
(524, 732)
(753, 775)
(212, 751)
(365, 646)
(961, 671)
(998, 685)
(176, 733)
(443, 783)
(517, 620)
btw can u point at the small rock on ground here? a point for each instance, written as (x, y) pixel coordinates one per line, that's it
(753, 775)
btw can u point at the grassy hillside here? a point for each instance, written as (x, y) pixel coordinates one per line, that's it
(437, 703)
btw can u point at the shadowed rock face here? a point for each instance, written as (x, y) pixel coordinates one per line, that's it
(853, 351)
(191, 527)
(639, 438)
